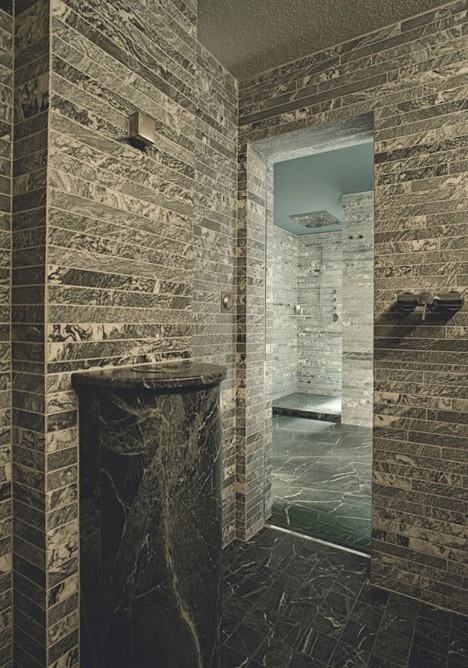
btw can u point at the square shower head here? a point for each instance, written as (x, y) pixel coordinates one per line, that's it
(316, 219)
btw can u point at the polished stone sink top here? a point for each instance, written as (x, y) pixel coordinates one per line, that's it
(184, 374)
(163, 369)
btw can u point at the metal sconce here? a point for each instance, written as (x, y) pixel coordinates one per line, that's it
(450, 302)
(142, 131)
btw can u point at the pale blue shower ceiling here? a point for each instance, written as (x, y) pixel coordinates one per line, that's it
(317, 182)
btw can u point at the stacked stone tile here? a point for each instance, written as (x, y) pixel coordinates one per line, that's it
(214, 247)
(306, 347)
(412, 77)
(319, 289)
(6, 118)
(358, 309)
(121, 255)
(252, 413)
(282, 259)
(44, 474)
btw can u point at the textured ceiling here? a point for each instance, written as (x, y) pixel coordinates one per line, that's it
(251, 36)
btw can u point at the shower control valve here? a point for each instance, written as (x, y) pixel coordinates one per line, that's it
(449, 302)
(426, 300)
(226, 301)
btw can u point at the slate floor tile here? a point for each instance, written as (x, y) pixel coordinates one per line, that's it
(431, 637)
(394, 625)
(315, 590)
(317, 645)
(378, 662)
(333, 614)
(228, 625)
(406, 608)
(310, 618)
(456, 660)
(302, 611)
(373, 595)
(304, 661)
(359, 636)
(286, 582)
(262, 619)
(289, 631)
(391, 648)
(236, 607)
(274, 654)
(367, 615)
(275, 600)
(423, 657)
(245, 640)
(230, 658)
(250, 589)
(347, 585)
(348, 655)
(458, 642)
(321, 479)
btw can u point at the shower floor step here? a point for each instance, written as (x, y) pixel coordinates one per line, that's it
(310, 406)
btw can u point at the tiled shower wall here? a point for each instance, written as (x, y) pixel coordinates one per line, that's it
(306, 348)
(319, 278)
(412, 77)
(358, 309)
(120, 256)
(282, 262)
(328, 348)
(6, 117)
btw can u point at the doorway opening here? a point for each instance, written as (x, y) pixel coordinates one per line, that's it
(319, 336)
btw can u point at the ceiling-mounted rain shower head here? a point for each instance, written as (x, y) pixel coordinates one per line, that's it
(314, 220)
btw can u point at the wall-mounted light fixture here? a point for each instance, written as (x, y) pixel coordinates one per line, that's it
(142, 131)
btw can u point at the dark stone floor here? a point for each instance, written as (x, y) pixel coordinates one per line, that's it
(290, 602)
(321, 479)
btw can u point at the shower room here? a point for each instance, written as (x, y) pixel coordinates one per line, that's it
(321, 259)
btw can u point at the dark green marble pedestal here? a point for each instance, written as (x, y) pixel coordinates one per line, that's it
(150, 516)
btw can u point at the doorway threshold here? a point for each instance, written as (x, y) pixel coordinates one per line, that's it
(338, 546)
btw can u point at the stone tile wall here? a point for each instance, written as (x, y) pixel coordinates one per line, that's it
(319, 294)
(266, 443)
(6, 118)
(328, 349)
(253, 412)
(412, 77)
(282, 262)
(121, 255)
(42, 487)
(358, 309)
(214, 248)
